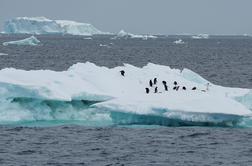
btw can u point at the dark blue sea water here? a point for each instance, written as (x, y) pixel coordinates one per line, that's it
(226, 61)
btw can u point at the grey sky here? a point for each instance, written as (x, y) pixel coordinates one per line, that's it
(142, 16)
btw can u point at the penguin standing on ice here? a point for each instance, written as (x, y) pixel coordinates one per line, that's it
(175, 85)
(122, 72)
(147, 90)
(150, 83)
(165, 85)
(177, 88)
(156, 90)
(194, 88)
(184, 88)
(155, 81)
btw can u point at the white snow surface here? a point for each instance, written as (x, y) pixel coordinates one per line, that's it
(86, 81)
(123, 34)
(31, 41)
(43, 25)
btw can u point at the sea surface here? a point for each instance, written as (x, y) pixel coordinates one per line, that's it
(223, 60)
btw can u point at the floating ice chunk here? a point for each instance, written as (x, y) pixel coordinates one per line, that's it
(102, 91)
(31, 41)
(42, 25)
(201, 36)
(123, 34)
(179, 41)
(2, 54)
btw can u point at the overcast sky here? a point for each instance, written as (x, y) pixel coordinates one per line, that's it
(142, 16)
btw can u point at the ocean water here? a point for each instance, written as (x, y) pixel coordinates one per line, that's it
(226, 61)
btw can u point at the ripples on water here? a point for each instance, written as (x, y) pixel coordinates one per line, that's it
(223, 60)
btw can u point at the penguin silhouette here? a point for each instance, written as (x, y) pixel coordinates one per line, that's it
(122, 72)
(194, 88)
(184, 88)
(175, 83)
(174, 88)
(177, 88)
(164, 82)
(166, 87)
(150, 83)
(155, 81)
(156, 90)
(147, 90)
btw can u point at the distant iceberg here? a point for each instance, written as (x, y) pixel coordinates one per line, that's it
(42, 25)
(179, 41)
(2, 54)
(123, 34)
(201, 36)
(31, 41)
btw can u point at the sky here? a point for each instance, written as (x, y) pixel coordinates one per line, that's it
(142, 16)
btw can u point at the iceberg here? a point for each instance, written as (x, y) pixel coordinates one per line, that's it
(43, 25)
(179, 41)
(31, 41)
(2, 54)
(123, 34)
(201, 36)
(92, 94)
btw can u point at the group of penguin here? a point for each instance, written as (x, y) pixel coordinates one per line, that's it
(154, 82)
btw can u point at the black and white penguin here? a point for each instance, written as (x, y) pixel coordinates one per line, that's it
(156, 90)
(177, 88)
(122, 72)
(155, 81)
(166, 87)
(147, 90)
(175, 83)
(184, 88)
(150, 83)
(194, 88)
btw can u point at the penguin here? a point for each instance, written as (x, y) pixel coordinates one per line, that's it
(175, 83)
(177, 88)
(156, 90)
(194, 88)
(184, 88)
(166, 87)
(155, 81)
(150, 83)
(122, 72)
(174, 88)
(164, 82)
(147, 90)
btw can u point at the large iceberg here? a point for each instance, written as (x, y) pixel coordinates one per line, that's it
(123, 34)
(91, 94)
(42, 25)
(31, 41)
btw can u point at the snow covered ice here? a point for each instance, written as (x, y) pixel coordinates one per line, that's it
(123, 34)
(42, 25)
(31, 41)
(201, 36)
(88, 92)
(179, 41)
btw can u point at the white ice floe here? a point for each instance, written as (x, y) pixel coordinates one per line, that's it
(31, 41)
(42, 25)
(201, 36)
(123, 34)
(124, 97)
(179, 41)
(3, 54)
